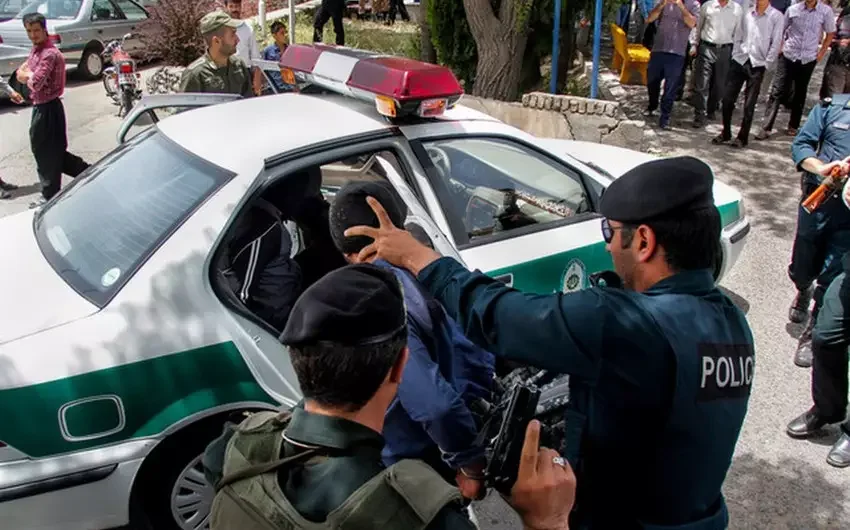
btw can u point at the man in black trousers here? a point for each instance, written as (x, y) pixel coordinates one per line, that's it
(330, 9)
(44, 74)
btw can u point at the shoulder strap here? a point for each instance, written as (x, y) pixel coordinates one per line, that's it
(408, 495)
(261, 469)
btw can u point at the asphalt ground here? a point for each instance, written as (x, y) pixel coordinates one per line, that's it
(775, 482)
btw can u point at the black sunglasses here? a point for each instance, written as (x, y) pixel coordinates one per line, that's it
(608, 230)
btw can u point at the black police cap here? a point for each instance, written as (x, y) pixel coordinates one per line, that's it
(352, 306)
(666, 186)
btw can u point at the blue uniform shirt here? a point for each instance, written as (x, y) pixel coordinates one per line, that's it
(431, 408)
(273, 53)
(659, 386)
(825, 135)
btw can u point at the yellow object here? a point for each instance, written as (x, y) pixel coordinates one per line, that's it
(628, 57)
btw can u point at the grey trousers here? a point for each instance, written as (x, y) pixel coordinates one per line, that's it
(710, 72)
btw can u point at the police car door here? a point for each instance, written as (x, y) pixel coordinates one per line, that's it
(513, 211)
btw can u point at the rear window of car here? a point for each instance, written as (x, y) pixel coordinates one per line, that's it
(53, 9)
(101, 229)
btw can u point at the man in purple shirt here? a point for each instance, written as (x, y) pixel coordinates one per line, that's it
(676, 19)
(805, 24)
(44, 74)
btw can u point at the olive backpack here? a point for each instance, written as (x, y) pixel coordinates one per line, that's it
(407, 495)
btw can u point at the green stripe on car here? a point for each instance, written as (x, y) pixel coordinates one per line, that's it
(155, 394)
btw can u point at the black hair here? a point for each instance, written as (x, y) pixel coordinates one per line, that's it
(350, 208)
(345, 377)
(690, 241)
(35, 18)
(217, 33)
(276, 26)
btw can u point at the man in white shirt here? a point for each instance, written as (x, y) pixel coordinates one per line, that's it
(719, 21)
(755, 50)
(247, 48)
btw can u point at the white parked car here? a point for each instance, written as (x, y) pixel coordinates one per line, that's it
(122, 350)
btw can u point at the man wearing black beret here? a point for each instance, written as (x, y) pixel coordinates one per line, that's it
(347, 337)
(660, 369)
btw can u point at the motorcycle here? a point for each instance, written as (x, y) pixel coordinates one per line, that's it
(121, 80)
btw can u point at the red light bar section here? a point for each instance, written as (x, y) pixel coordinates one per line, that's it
(300, 57)
(404, 79)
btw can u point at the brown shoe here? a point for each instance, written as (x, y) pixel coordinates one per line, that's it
(790, 131)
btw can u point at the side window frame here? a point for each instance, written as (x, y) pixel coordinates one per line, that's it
(123, 13)
(457, 225)
(116, 11)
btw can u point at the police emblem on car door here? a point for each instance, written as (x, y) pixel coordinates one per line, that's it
(517, 214)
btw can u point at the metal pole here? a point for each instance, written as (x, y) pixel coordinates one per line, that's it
(597, 38)
(556, 48)
(261, 16)
(291, 21)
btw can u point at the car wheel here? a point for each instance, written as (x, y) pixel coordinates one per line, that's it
(91, 65)
(171, 492)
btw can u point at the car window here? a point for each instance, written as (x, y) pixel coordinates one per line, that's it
(104, 10)
(494, 186)
(11, 7)
(362, 168)
(111, 219)
(53, 9)
(131, 10)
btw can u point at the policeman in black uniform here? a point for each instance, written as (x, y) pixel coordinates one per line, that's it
(660, 367)
(823, 236)
(831, 337)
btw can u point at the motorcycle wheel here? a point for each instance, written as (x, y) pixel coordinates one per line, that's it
(127, 101)
(108, 87)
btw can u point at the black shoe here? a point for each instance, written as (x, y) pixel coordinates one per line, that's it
(698, 123)
(711, 116)
(799, 310)
(839, 455)
(7, 186)
(720, 139)
(803, 356)
(806, 424)
(738, 143)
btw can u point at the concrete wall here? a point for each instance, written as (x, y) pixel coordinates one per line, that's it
(569, 117)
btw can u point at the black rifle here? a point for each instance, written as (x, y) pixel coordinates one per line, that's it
(506, 449)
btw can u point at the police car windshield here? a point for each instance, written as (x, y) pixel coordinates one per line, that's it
(100, 230)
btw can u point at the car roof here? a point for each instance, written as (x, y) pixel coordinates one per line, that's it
(240, 135)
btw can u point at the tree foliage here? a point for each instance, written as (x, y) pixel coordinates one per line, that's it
(171, 33)
(452, 39)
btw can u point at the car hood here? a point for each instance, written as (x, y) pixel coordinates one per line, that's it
(618, 160)
(34, 297)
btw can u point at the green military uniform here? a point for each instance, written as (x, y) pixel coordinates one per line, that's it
(350, 456)
(204, 75)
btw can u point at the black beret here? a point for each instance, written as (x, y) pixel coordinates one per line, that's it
(354, 305)
(666, 186)
(350, 208)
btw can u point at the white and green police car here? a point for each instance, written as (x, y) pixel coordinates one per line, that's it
(122, 351)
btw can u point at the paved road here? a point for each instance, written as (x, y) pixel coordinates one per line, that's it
(775, 483)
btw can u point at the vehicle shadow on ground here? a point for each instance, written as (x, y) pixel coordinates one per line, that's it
(791, 494)
(23, 191)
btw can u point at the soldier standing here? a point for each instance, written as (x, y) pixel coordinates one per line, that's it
(218, 70)
(823, 236)
(836, 75)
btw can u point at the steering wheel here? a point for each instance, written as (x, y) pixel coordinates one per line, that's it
(441, 160)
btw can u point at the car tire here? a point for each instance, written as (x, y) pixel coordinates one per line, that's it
(172, 471)
(91, 65)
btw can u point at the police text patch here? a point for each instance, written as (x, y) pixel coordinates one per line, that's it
(726, 371)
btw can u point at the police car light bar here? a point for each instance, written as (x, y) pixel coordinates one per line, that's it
(398, 86)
